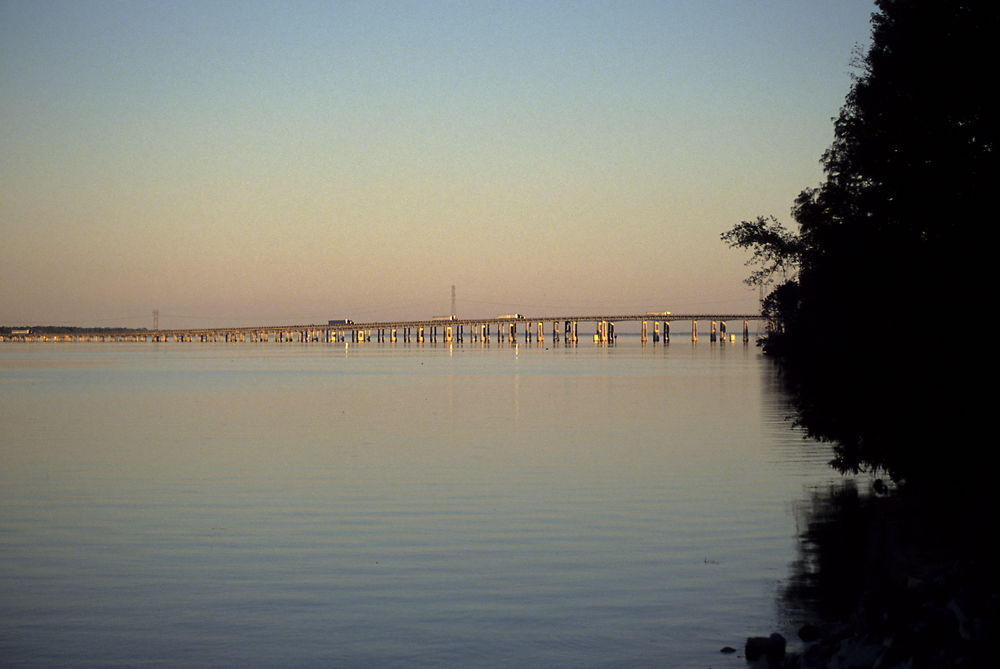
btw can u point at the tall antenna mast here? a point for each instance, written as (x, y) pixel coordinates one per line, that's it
(452, 299)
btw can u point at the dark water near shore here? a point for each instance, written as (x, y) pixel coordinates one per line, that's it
(393, 505)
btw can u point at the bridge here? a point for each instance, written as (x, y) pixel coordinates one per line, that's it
(655, 327)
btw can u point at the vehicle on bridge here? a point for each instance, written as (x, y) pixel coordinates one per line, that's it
(445, 318)
(657, 313)
(342, 321)
(518, 316)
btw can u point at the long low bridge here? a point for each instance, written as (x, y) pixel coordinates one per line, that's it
(655, 326)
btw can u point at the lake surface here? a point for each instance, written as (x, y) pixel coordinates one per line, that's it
(394, 505)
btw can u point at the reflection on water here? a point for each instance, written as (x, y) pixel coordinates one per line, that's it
(911, 573)
(830, 575)
(389, 505)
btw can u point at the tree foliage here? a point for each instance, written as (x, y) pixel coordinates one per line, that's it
(776, 250)
(898, 231)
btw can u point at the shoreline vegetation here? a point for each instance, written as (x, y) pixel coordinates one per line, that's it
(64, 329)
(902, 575)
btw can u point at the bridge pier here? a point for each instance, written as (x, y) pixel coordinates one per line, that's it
(694, 330)
(572, 332)
(604, 332)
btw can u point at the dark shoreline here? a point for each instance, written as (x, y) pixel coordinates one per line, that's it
(891, 580)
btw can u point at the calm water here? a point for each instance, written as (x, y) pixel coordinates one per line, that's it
(385, 505)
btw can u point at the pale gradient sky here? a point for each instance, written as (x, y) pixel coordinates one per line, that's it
(236, 163)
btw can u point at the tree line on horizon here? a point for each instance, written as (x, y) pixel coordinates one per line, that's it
(65, 329)
(898, 231)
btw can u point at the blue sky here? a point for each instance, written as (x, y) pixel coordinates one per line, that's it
(259, 162)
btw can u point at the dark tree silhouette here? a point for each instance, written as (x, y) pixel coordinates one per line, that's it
(896, 235)
(775, 249)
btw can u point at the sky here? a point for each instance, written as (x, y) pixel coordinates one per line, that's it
(243, 163)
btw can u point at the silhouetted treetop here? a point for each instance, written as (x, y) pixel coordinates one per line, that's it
(776, 250)
(900, 229)
(916, 137)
